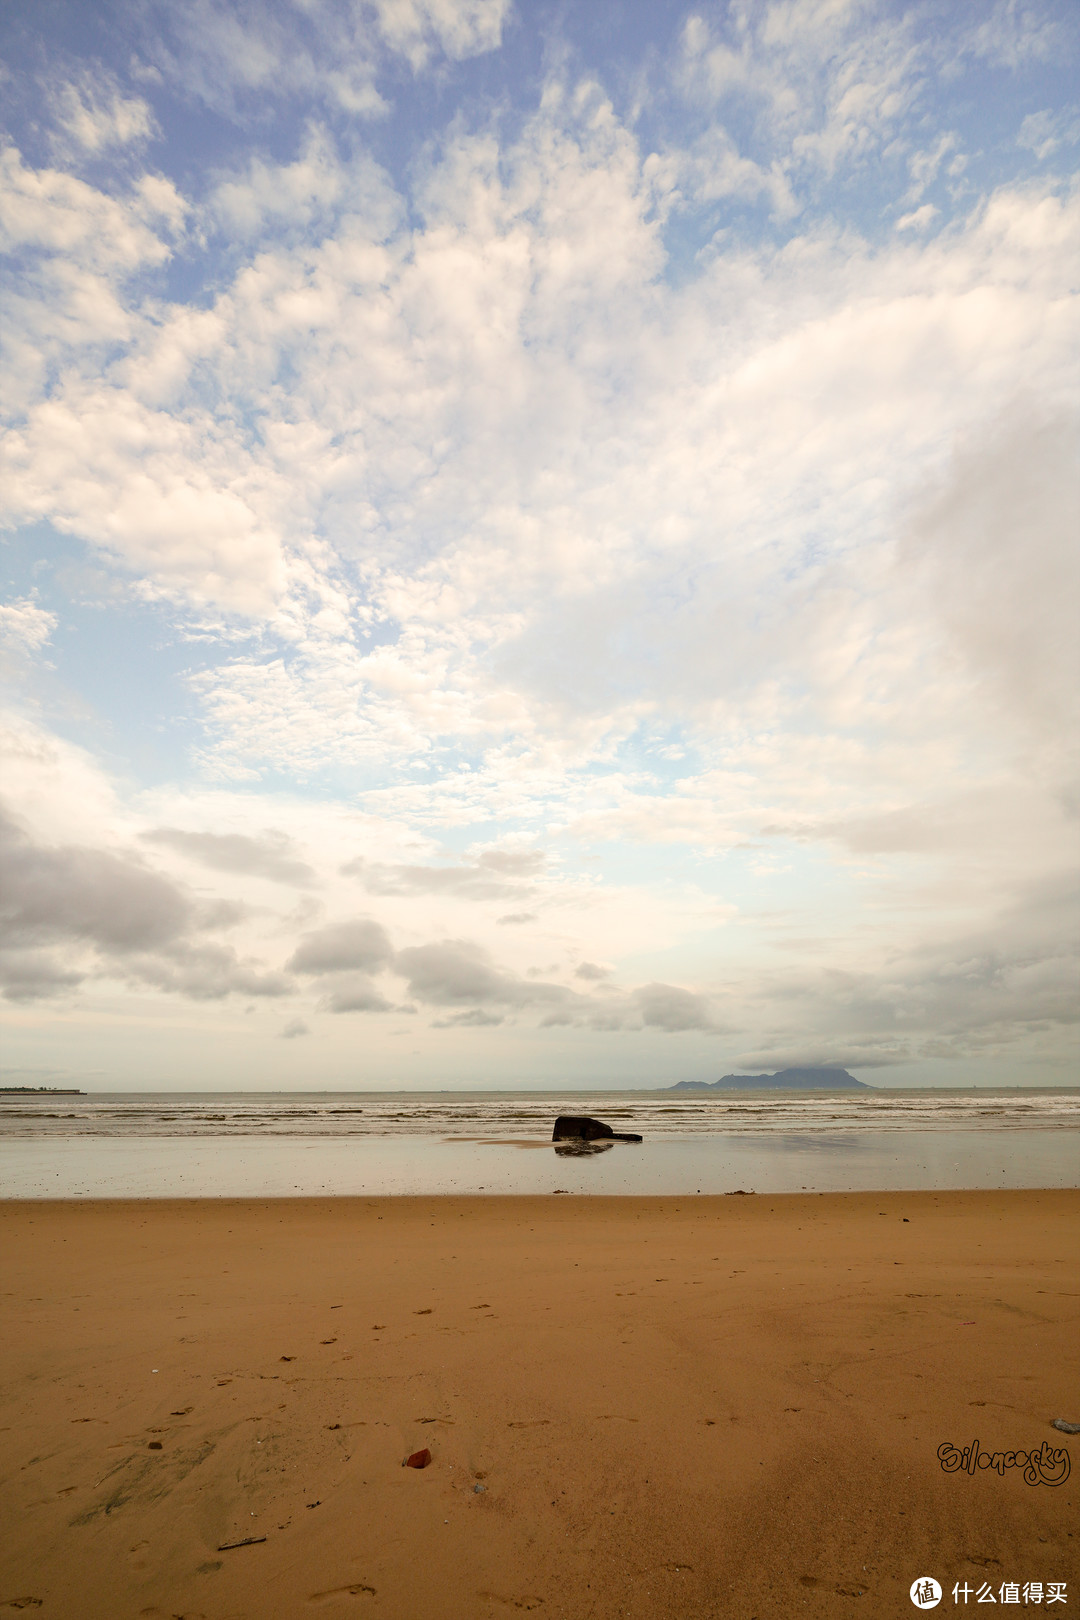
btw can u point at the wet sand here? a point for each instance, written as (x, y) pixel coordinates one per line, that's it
(674, 1407)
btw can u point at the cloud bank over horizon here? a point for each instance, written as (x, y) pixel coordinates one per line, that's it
(538, 552)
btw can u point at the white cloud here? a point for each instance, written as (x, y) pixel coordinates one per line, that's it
(352, 993)
(826, 84)
(74, 252)
(416, 29)
(363, 944)
(914, 985)
(51, 211)
(1046, 132)
(24, 626)
(996, 555)
(925, 166)
(234, 58)
(491, 877)
(919, 219)
(73, 911)
(958, 996)
(271, 854)
(94, 115)
(171, 498)
(713, 167)
(667, 1007)
(452, 971)
(305, 196)
(55, 787)
(1015, 34)
(922, 319)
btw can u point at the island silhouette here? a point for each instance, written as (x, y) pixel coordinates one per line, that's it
(783, 1080)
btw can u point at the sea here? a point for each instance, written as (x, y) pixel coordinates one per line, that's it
(305, 1144)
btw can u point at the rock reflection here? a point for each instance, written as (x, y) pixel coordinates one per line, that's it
(578, 1149)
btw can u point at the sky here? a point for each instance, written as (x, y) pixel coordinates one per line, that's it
(538, 542)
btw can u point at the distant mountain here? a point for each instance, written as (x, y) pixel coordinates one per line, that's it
(784, 1080)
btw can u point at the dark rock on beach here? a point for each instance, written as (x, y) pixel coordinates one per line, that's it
(580, 1128)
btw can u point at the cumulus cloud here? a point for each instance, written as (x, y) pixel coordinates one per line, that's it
(31, 975)
(352, 992)
(490, 877)
(476, 1018)
(1007, 986)
(665, 1006)
(591, 970)
(362, 943)
(69, 912)
(461, 973)
(204, 972)
(271, 854)
(90, 894)
(513, 862)
(453, 971)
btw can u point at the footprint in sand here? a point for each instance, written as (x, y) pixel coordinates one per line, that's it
(829, 1586)
(159, 1614)
(356, 1590)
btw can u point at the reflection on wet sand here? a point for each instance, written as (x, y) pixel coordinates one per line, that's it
(290, 1167)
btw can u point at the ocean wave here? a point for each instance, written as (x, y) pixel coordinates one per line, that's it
(505, 1114)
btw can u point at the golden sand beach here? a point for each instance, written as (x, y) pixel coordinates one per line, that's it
(640, 1407)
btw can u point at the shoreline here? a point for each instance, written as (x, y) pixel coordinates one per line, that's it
(674, 1405)
(433, 1162)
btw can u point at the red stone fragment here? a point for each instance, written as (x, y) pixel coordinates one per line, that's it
(419, 1459)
